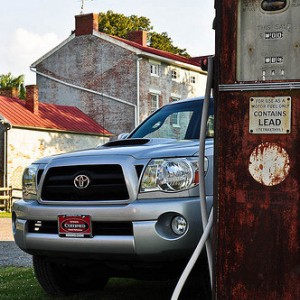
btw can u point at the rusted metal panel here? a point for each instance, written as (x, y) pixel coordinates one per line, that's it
(226, 40)
(257, 223)
(258, 255)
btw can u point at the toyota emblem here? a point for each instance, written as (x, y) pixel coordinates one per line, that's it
(81, 182)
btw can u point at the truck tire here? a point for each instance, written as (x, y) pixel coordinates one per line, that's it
(59, 279)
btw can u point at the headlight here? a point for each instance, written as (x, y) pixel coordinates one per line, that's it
(30, 182)
(171, 174)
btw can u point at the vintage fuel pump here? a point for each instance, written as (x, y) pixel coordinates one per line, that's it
(257, 152)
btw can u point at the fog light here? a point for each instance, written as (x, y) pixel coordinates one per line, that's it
(179, 225)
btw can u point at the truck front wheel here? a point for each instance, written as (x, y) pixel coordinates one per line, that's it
(60, 279)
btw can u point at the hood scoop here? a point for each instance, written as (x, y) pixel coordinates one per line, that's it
(127, 142)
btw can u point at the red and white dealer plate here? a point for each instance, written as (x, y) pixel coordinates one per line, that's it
(75, 226)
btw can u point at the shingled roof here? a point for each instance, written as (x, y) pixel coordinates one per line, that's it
(49, 117)
(161, 53)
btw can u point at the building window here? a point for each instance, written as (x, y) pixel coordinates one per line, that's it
(193, 79)
(175, 118)
(154, 102)
(154, 69)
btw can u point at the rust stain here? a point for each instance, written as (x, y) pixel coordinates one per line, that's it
(239, 291)
(239, 249)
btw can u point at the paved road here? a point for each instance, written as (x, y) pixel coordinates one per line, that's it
(10, 253)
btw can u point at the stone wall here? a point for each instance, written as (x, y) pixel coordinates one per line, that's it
(103, 67)
(90, 62)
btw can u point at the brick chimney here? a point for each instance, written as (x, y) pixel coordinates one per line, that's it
(12, 92)
(32, 98)
(85, 24)
(139, 37)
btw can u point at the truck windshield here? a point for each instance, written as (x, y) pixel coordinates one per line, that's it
(180, 121)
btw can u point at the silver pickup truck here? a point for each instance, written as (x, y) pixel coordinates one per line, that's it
(129, 208)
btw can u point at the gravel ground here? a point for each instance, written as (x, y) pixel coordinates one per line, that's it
(10, 253)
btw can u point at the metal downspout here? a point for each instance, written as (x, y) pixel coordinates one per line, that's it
(86, 90)
(137, 120)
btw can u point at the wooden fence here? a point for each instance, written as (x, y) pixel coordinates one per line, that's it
(6, 199)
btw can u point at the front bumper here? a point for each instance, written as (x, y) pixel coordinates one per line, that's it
(151, 239)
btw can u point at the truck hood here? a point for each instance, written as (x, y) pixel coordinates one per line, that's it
(139, 149)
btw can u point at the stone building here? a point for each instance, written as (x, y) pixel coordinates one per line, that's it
(117, 82)
(30, 130)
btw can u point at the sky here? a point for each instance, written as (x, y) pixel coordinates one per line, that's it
(29, 29)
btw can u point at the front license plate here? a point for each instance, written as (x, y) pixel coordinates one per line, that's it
(75, 226)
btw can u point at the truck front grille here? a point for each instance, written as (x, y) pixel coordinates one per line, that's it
(106, 182)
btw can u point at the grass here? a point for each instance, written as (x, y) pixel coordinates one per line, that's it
(20, 283)
(4, 214)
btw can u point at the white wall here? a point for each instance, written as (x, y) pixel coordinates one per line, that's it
(25, 146)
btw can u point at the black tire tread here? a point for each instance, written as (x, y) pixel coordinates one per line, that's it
(46, 276)
(61, 279)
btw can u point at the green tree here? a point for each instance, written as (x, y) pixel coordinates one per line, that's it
(163, 42)
(120, 25)
(9, 81)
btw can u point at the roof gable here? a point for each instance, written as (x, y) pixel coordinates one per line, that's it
(87, 24)
(49, 117)
(133, 46)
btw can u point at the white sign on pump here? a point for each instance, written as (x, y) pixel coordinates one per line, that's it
(270, 115)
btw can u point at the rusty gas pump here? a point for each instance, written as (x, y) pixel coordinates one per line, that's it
(257, 152)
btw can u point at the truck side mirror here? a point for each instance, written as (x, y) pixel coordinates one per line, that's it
(210, 132)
